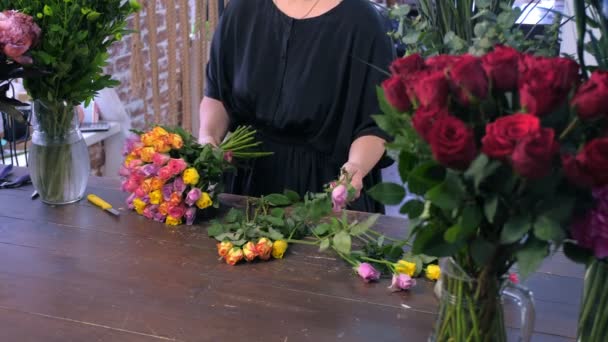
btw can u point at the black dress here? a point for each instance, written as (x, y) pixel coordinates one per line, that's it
(305, 85)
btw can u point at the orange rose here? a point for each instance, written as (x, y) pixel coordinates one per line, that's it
(264, 248)
(163, 208)
(223, 248)
(146, 186)
(159, 131)
(161, 146)
(156, 183)
(234, 255)
(250, 251)
(148, 139)
(175, 198)
(176, 141)
(147, 153)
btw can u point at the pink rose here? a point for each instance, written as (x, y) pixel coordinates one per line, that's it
(367, 272)
(18, 32)
(177, 166)
(130, 200)
(160, 159)
(149, 170)
(339, 196)
(228, 155)
(193, 195)
(132, 142)
(190, 215)
(402, 282)
(159, 217)
(167, 190)
(177, 211)
(513, 278)
(165, 173)
(124, 172)
(150, 211)
(135, 163)
(130, 185)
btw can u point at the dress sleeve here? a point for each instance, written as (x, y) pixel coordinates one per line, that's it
(213, 69)
(217, 78)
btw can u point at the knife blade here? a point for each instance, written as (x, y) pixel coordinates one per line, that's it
(96, 200)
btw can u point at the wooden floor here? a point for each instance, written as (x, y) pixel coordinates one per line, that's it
(75, 273)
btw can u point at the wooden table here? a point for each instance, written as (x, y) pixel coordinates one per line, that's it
(76, 273)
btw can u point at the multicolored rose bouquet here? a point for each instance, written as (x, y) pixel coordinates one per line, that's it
(171, 178)
(502, 151)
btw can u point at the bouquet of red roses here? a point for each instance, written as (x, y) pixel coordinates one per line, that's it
(503, 150)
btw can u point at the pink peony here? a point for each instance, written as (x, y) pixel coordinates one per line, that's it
(402, 282)
(18, 32)
(176, 166)
(160, 159)
(193, 196)
(367, 272)
(190, 215)
(591, 230)
(339, 196)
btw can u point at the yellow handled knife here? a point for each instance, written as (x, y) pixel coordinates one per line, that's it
(102, 204)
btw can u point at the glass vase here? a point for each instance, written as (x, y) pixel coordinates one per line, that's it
(593, 319)
(471, 309)
(59, 157)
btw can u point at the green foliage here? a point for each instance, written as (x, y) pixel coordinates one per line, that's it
(456, 27)
(588, 14)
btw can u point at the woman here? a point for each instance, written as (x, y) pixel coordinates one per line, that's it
(302, 73)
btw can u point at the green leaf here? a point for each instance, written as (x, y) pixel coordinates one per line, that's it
(321, 229)
(547, 229)
(384, 105)
(481, 168)
(380, 241)
(215, 230)
(364, 226)
(453, 233)
(558, 208)
(530, 256)
(515, 229)
(426, 259)
(429, 240)
(449, 194)
(424, 177)
(324, 245)
(292, 195)
(275, 221)
(277, 212)
(490, 206)
(470, 218)
(277, 200)
(387, 193)
(275, 235)
(407, 162)
(482, 251)
(412, 208)
(342, 242)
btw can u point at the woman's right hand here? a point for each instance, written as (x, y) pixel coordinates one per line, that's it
(207, 140)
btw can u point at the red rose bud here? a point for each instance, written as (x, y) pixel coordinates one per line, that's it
(264, 248)
(452, 143)
(440, 62)
(501, 67)
(468, 79)
(223, 248)
(249, 251)
(407, 65)
(596, 158)
(396, 95)
(234, 255)
(533, 156)
(591, 99)
(430, 88)
(503, 134)
(425, 117)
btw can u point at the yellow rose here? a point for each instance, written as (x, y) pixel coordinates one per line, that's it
(148, 139)
(159, 131)
(161, 146)
(128, 159)
(204, 201)
(191, 176)
(278, 249)
(223, 248)
(139, 205)
(172, 221)
(249, 251)
(433, 272)
(147, 153)
(176, 141)
(405, 267)
(156, 197)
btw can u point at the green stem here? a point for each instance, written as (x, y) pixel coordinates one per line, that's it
(302, 242)
(568, 129)
(377, 261)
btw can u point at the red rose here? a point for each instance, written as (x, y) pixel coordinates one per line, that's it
(591, 99)
(453, 143)
(468, 79)
(503, 134)
(430, 88)
(575, 168)
(407, 65)
(501, 67)
(440, 62)
(425, 117)
(533, 156)
(396, 95)
(538, 98)
(596, 158)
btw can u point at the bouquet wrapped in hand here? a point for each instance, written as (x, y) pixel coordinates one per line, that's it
(171, 178)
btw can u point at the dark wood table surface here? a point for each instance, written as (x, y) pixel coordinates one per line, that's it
(76, 273)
